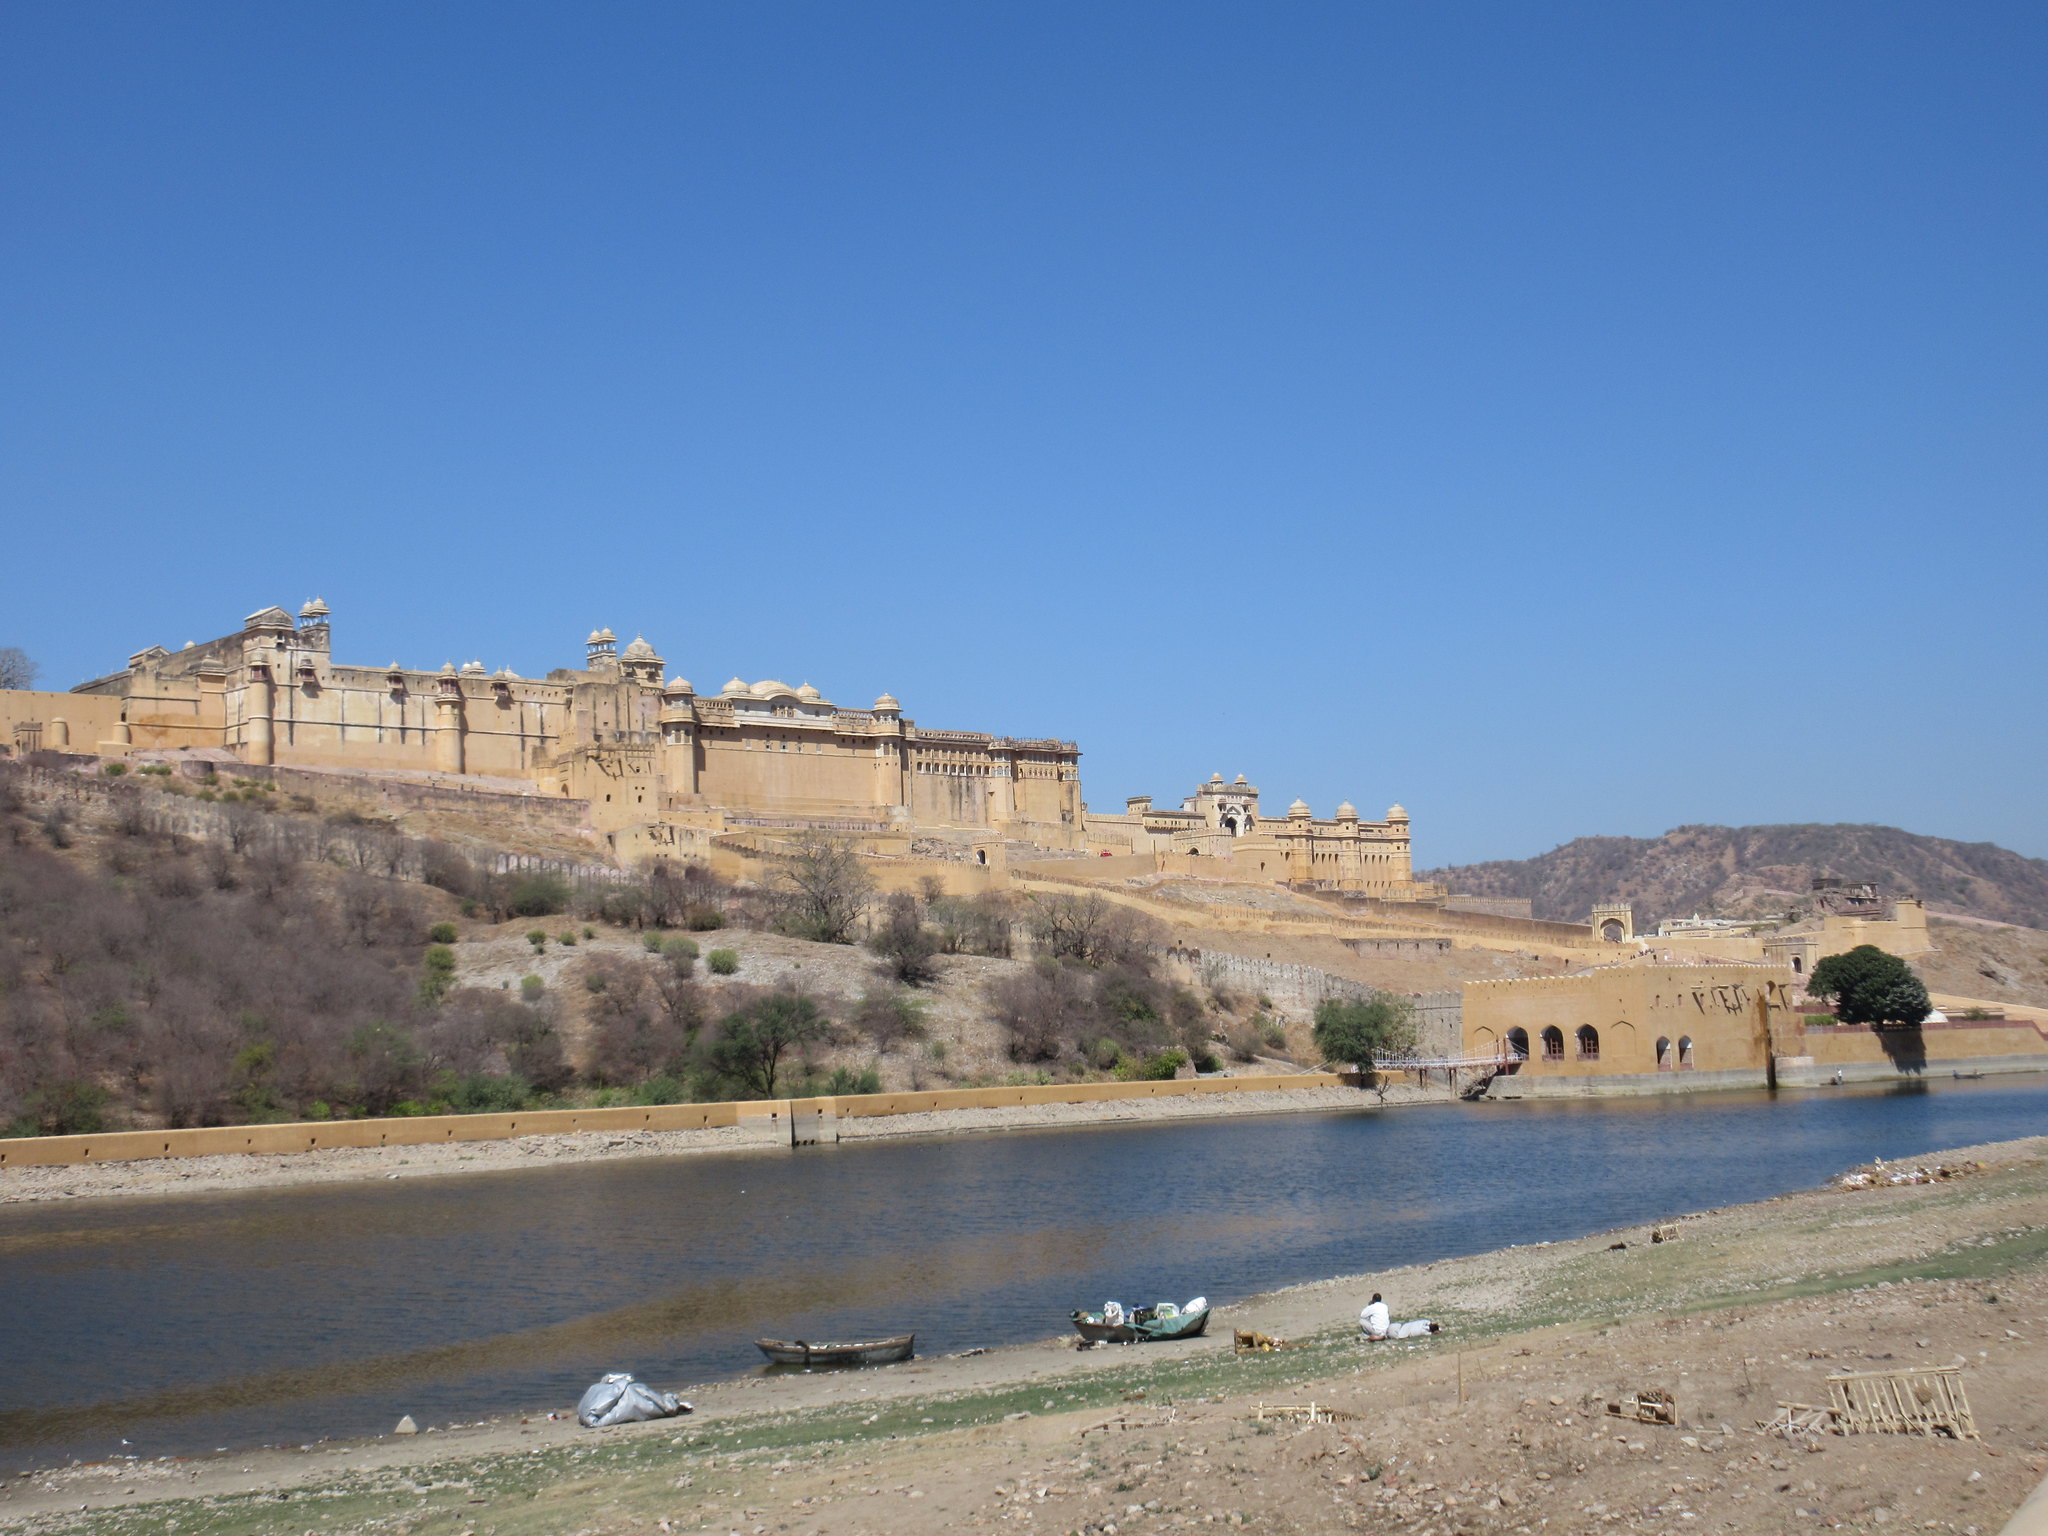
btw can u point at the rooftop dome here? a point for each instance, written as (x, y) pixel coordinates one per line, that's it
(1241, 779)
(1299, 808)
(316, 609)
(640, 650)
(474, 669)
(680, 685)
(447, 669)
(1347, 812)
(605, 635)
(734, 689)
(1395, 813)
(770, 688)
(596, 638)
(1215, 778)
(887, 701)
(809, 694)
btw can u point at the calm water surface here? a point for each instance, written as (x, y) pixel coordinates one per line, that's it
(190, 1323)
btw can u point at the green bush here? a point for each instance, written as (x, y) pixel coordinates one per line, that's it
(531, 988)
(1271, 1030)
(566, 940)
(114, 770)
(438, 972)
(482, 1093)
(844, 1080)
(589, 932)
(702, 918)
(537, 939)
(679, 948)
(539, 896)
(442, 933)
(722, 962)
(651, 942)
(663, 1089)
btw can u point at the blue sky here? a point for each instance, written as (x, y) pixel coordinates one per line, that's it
(1561, 419)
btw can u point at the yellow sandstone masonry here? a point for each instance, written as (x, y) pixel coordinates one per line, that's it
(769, 1116)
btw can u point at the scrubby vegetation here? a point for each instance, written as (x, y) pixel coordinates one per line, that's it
(257, 960)
(1092, 999)
(287, 968)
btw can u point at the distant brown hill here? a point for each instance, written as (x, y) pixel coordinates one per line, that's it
(1750, 871)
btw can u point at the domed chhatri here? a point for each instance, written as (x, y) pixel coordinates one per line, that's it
(678, 685)
(314, 612)
(1223, 822)
(809, 694)
(639, 650)
(886, 702)
(1396, 813)
(733, 689)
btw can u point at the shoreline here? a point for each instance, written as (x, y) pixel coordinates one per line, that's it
(1541, 1333)
(153, 1178)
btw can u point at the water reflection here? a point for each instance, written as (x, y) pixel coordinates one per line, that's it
(200, 1321)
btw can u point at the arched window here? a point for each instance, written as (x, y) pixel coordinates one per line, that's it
(1589, 1043)
(1799, 965)
(1684, 1052)
(1663, 1053)
(1553, 1044)
(1518, 1043)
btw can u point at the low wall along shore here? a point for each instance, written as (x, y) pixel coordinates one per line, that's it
(773, 1122)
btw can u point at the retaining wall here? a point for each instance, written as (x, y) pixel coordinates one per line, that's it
(766, 1120)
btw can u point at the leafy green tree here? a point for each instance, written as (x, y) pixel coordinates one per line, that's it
(1870, 986)
(1358, 1030)
(753, 1041)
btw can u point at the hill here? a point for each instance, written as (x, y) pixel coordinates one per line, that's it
(1750, 871)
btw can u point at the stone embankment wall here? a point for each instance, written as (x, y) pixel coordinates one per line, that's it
(771, 1121)
(1294, 991)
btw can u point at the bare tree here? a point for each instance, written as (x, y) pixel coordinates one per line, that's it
(1092, 930)
(821, 887)
(17, 670)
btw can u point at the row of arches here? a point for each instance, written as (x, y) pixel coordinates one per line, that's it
(1586, 1044)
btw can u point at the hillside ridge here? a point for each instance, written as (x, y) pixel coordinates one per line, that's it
(1752, 871)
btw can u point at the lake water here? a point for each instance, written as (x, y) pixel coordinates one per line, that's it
(189, 1323)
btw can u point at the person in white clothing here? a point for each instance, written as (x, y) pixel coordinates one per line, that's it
(1374, 1319)
(1378, 1324)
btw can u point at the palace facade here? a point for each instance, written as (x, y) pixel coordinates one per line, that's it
(1223, 822)
(639, 746)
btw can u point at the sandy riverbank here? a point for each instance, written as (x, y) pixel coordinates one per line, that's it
(1495, 1426)
(205, 1175)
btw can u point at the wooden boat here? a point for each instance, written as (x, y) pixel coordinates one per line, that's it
(1141, 1326)
(873, 1352)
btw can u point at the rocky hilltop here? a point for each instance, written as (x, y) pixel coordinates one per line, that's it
(1744, 871)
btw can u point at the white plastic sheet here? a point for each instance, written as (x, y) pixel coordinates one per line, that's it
(619, 1399)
